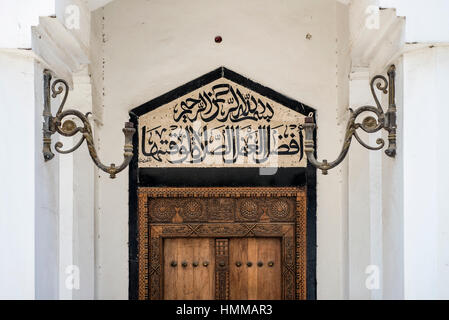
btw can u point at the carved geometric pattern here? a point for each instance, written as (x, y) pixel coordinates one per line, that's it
(215, 213)
(301, 246)
(142, 225)
(220, 209)
(221, 269)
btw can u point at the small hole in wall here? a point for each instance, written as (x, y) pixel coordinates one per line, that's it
(218, 39)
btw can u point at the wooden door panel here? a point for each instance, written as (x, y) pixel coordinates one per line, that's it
(238, 275)
(269, 274)
(189, 282)
(203, 276)
(254, 282)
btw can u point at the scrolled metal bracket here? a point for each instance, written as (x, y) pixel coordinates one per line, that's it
(370, 124)
(69, 128)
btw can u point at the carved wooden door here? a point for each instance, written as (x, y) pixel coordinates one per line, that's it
(222, 243)
(192, 267)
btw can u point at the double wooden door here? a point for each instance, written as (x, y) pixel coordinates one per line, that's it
(192, 268)
(222, 243)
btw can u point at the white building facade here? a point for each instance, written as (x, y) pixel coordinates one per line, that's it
(382, 224)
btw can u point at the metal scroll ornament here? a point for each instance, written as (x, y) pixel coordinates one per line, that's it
(69, 128)
(371, 124)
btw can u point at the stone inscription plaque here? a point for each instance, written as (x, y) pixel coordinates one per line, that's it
(221, 124)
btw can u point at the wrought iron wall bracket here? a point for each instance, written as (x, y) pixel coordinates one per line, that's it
(370, 124)
(69, 128)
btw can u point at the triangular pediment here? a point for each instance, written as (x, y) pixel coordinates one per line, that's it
(221, 119)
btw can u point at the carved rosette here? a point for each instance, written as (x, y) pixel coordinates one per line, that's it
(193, 210)
(161, 210)
(249, 210)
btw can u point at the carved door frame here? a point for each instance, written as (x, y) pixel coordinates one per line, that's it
(290, 227)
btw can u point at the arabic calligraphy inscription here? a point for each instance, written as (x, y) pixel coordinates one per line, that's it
(221, 124)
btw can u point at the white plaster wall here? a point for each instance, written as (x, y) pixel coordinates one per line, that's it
(426, 182)
(28, 188)
(17, 18)
(149, 48)
(17, 279)
(47, 209)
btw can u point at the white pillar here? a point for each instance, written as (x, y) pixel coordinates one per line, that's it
(46, 205)
(23, 198)
(392, 205)
(76, 194)
(66, 221)
(17, 183)
(426, 179)
(364, 230)
(83, 197)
